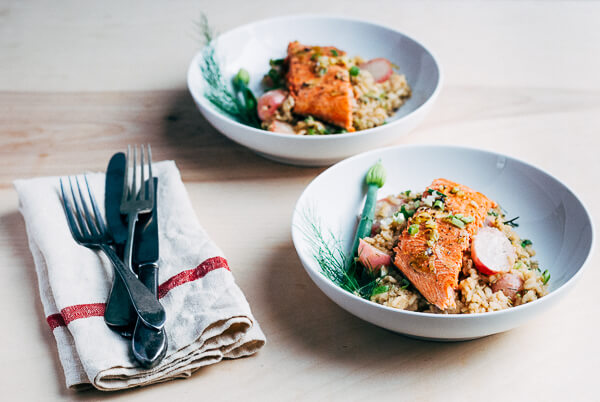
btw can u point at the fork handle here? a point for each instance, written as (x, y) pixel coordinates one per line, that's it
(147, 307)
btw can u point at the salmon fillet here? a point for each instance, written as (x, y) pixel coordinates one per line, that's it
(321, 92)
(432, 262)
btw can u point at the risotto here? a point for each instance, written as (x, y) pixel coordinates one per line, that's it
(491, 277)
(320, 90)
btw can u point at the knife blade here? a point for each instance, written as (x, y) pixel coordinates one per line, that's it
(119, 313)
(149, 345)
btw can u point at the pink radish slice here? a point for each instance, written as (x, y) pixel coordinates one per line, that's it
(281, 127)
(509, 284)
(492, 252)
(372, 257)
(269, 102)
(380, 69)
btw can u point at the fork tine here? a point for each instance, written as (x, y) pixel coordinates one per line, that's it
(86, 212)
(133, 188)
(69, 212)
(125, 195)
(78, 214)
(97, 214)
(142, 193)
(150, 194)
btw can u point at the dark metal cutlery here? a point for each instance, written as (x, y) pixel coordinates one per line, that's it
(119, 313)
(149, 346)
(89, 230)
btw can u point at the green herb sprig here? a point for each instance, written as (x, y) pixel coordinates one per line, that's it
(239, 103)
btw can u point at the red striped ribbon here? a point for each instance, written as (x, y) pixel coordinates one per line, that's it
(71, 313)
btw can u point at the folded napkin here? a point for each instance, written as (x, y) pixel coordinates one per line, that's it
(208, 317)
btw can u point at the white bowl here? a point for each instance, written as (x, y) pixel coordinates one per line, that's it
(251, 46)
(550, 215)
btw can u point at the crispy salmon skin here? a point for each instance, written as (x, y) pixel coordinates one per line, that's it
(430, 249)
(324, 92)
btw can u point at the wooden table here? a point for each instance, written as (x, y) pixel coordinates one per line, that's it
(80, 80)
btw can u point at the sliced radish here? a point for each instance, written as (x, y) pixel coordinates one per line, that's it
(380, 69)
(281, 127)
(509, 284)
(371, 257)
(492, 252)
(269, 102)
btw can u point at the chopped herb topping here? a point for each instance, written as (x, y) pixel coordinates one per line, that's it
(546, 277)
(438, 204)
(455, 190)
(413, 230)
(380, 289)
(354, 71)
(405, 283)
(407, 214)
(334, 53)
(276, 62)
(322, 71)
(492, 213)
(456, 222)
(526, 242)
(511, 222)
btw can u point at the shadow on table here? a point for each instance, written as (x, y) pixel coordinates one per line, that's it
(315, 328)
(205, 154)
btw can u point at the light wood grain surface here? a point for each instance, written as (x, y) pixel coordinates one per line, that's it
(80, 80)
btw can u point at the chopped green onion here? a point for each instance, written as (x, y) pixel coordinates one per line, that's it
(380, 289)
(413, 230)
(354, 71)
(519, 265)
(407, 193)
(276, 62)
(546, 277)
(459, 216)
(455, 190)
(492, 213)
(311, 131)
(457, 222)
(526, 242)
(322, 71)
(467, 219)
(405, 283)
(438, 204)
(511, 222)
(334, 53)
(407, 214)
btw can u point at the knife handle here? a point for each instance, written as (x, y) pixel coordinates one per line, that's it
(148, 275)
(149, 346)
(119, 313)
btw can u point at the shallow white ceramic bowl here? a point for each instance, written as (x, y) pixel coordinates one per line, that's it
(251, 46)
(550, 215)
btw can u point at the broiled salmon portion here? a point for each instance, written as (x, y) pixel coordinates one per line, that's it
(431, 258)
(321, 91)
(461, 199)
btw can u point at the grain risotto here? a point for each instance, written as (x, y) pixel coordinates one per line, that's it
(420, 233)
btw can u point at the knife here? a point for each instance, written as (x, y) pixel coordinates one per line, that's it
(149, 345)
(119, 313)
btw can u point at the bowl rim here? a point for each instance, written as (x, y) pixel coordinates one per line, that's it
(296, 238)
(203, 102)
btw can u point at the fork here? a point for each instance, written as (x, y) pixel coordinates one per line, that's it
(134, 201)
(90, 231)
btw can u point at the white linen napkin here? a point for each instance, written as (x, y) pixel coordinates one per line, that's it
(208, 317)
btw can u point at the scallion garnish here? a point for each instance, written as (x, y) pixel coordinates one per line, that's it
(380, 289)
(354, 71)
(413, 229)
(334, 53)
(467, 219)
(545, 277)
(526, 242)
(405, 283)
(492, 213)
(456, 222)
(438, 204)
